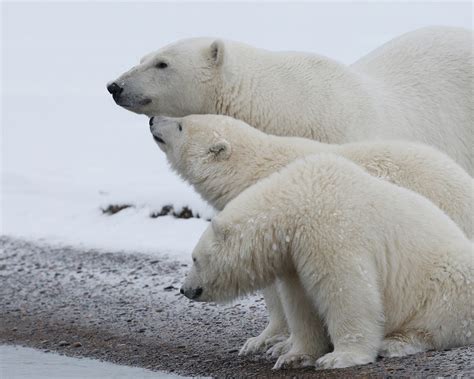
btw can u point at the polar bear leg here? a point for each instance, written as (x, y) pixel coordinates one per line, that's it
(280, 348)
(308, 339)
(276, 330)
(405, 343)
(352, 309)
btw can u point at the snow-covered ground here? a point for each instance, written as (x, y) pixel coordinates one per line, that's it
(25, 363)
(68, 150)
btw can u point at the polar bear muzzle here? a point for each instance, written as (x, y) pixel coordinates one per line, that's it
(191, 293)
(126, 99)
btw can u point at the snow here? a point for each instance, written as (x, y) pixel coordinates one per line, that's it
(68, 150)
(25, 363)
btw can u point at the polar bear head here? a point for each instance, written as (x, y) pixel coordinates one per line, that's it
(177, 80)
(223, 265)
(200, 283)
(214, 153)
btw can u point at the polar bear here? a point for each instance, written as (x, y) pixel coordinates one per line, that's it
(221, 157)
(384, 269)
(417, 87)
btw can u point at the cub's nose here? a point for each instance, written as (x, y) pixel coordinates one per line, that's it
(114, 89)
(192, 294)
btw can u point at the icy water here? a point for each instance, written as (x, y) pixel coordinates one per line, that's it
(26, 363)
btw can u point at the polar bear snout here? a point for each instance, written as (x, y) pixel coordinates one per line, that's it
(162, 128)
(191, 293)
(157, 121)
(154, 123)
(126, 96)
(115, 90)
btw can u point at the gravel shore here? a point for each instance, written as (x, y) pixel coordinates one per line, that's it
(126, 309)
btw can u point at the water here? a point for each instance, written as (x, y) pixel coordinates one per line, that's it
(25, 363)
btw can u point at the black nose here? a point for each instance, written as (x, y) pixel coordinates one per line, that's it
(150, 122)
(114, 89)
(181, 291)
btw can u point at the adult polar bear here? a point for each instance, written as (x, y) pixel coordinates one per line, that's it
(221, 157)
(416, 87)
(384, 269)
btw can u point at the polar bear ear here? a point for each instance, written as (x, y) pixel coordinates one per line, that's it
(221, 150)
(220, 229)
(217, 52)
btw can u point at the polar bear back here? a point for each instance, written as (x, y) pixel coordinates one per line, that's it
(427, 75)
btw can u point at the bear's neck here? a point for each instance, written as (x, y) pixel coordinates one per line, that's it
(319, 99)
(261, 156)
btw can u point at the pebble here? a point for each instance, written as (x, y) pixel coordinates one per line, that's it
(63, 343)
(77, 344)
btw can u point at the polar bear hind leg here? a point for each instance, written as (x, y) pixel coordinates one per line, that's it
(405, 343)
(351, 306)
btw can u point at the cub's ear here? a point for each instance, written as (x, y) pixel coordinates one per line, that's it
(217, 52)
(220, 150)
(220, 228)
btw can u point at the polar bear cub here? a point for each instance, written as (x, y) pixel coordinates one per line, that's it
(221, 157)
(382, 266)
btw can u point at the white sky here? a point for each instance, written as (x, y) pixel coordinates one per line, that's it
(86, 44)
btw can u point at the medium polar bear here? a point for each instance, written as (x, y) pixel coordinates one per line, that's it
(416, 87)
(384, 269)
(221, 157)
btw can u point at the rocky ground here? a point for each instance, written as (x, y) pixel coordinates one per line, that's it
(127, 309)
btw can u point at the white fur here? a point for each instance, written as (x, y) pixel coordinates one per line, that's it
(417, 87)
(383, 267)
(221, 157)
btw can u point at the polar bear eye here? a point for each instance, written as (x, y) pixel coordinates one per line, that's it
(161, 65)
(194, 260)
(180, 127)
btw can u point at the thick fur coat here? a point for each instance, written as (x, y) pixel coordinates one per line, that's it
(382, 268)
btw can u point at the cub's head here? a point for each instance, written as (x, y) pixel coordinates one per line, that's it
(214, 153)
(176, 80)
(212, 276)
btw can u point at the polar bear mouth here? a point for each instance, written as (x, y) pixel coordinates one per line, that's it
(159, 140)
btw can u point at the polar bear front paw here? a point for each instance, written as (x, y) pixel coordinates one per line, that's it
(259, 343)
(294, 360)
(343, 359)
(392, 347)
(280, 348)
